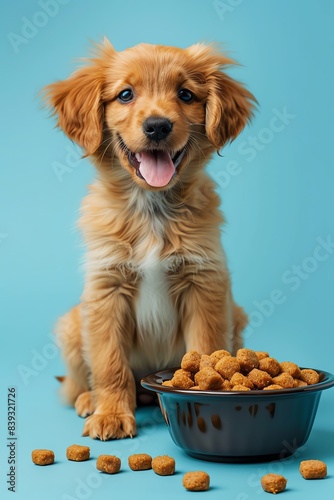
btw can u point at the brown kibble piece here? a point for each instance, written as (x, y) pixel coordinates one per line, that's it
(217, 355)
(239, 387)
(299, 383)
(273, 387)
(167, 383)
(273, 483)
(182, 379)
(108, 463)
(271, 366)
(240, 379)
(43, 457)
(182, 383)
(260, 378)
(262, 354)
(226, 386)
(309, 376)
(227, 366)
(206, 361)
(313, 469)
(285, 380)
(163, 465)
(196, 481)
(78, 453)
(190, 361)
(140, 461)
(208, 379)
(291, 368)
(247, 359)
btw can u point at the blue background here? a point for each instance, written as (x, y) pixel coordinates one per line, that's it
(276, 183)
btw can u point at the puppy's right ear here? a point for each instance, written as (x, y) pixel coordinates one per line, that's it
(78, 103)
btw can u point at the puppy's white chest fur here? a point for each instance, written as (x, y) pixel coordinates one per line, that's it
(156, 317)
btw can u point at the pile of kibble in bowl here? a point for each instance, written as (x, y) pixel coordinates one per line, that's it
(247, 370)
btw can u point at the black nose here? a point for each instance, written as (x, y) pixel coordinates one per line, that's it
(157, 128)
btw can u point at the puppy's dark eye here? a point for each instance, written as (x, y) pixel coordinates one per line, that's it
(125, 96)
(185, 95)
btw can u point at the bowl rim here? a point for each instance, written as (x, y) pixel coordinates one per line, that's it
(152, 382)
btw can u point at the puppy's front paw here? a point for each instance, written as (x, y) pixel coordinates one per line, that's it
(84, 404)
(110, 426)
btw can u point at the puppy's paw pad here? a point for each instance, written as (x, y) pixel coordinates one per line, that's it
(111, 426)
(84, 404)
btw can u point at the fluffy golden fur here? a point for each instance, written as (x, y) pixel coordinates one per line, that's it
(156, 280)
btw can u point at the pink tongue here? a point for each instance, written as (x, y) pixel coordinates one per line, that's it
(157, 168)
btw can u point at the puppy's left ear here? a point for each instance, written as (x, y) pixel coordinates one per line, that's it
(229, 107)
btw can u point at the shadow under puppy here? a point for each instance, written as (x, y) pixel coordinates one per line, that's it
(157, 284)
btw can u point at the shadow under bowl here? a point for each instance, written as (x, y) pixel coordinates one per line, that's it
(233, 426)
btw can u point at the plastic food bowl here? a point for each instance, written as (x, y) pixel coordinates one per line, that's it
(250, 426)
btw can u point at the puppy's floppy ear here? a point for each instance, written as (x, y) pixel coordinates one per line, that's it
(229, 107)
(77, 101)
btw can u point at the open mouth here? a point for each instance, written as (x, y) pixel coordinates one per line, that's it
(157, 167)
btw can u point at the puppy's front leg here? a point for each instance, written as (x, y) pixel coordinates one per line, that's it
(108, 335)
(205, 307)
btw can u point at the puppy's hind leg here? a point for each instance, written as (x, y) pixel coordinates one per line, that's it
(75, 386)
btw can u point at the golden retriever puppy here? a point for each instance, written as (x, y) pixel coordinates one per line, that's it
(157, 284)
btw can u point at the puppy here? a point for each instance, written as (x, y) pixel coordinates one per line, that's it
(157, 284)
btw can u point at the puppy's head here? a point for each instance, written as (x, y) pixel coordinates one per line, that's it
(155, 108)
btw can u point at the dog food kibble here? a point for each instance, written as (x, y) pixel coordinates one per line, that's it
(217, 355)
(78, 453)
(313, 469)
(260, 378)
(309, 376)
(163, 465)
(270, 365)
(140, 461)
(248, 370)
(108, 463)
(196, 481)
(239, 387)
(227, 386)
(167, 383)
(207, 361)
(285, 380)
(190, 361)
(262, 354)
(273, 483)
(240, 379)
(298, 383)
(291, 368)
(227, 366)
(182, 378)
(43, 457)
(208, 379)
(247, 359)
